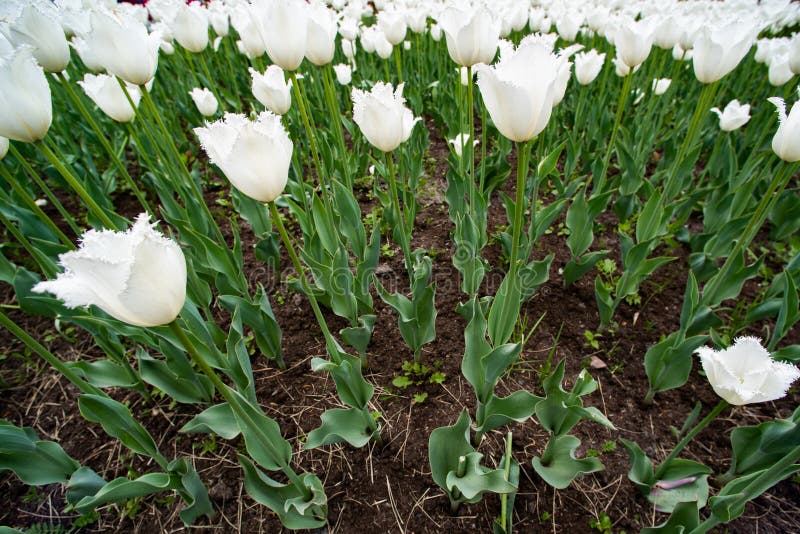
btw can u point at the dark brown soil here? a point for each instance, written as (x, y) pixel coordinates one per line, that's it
(391, 490)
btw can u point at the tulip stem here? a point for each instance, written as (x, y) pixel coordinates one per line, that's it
(507, 476)
(468, 147)
(522, 173)
(623, 97)
(115, 160)
(336, 116)
(237, 407)
(688, 437)
(31, 203)
(700, 110)
(301, 103)
(768, 199)
(404, 238)
(75, 184)
(398, 61)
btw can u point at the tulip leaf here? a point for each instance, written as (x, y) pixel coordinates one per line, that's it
(504, 311)
(499, 411)
(352, 388)
(175, 376)
(685, 517)
(575, 269)
(84, 482)
(359, 337)
(34, 461)
(759, 447)
(563, 467)
(477, 480)
(340, 425)
(118, 422)
(669, 362)
(104, 374)
(294, 510)
(218, 419)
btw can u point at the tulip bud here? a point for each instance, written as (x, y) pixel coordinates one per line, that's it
(471, 35)
(382, 116)
(250, 44)
(679, 54)
(105, 91)
(588, 66)
(122, 45)
(520, 89)
(786, 143)
(634, 40)
(745, 372)
(660, 86)
(204, 100)
(253, 155)
(794, 54)
(321, 41)
(218, 17)
(138, 277)
(3, 147)
(621, 68)
(348, 29)
(568, 25)
(190, 27)
(459, 142)
(272, 90)
(283, 25)
(463, 73)
(344, 74)
(718, 51)
(382, 46)
(26, 110)
(392, 23)
(436, 32)
(780, 71)
(733, 117)
(41, 31)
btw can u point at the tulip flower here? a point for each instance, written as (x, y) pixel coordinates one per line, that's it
(733, 117)
(634, 40)
(122, 45)
(667, 33)
(190, 27)
(520, 89)
(105, 91)
(471, 35)
(272, 89)
(588, 66)
(320, 43)
(253, 155)
(794, 54)
(344, 74)
(392, 23)
(417, 20)
(621, 68)
(26, 110)
(745, 372)
(250, 42)
(382, 45)
(780, 70)
(204, 100)
(42, 32)
(382, 116)
(348, 29)
(138, 276)
(568, 25)
(219, 19)
(459, 142)
(283, 26)
(680, 54)
(349, 49)
(436, 32)
(660, 86)
(786, 143)
(719, 50)
(3, 147)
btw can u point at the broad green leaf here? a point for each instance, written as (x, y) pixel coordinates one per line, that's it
(218, 419)
(563, 467)
(341, 425)
(34, 461)
(118, 422)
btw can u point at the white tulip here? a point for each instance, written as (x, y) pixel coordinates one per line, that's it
(106, 93)
(436, 32)
(471, 35)
(520, 89)
(634, 40)
(780, 71)
(43, 33)
(719, 50)
(253, 155)
(794, 54)
(137, 276)
(344, 74)
(621, 68)
(733, 117)
(660, 86)
(283, 25)
(123, 46)
(204, 100)
(382, 45)
(348, 28)
(382, 116)
(588, 66)
(459, 142)
(745, 372)
(190, 27)
(681, 54)
(321, 40)
(272, 90)
(26, 109)
(3, 147)
(568, 25)
(392, 23)
(219, 19)
(250, 44)
(786, 143)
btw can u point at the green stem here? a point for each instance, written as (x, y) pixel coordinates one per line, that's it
(522, 172)
(234, 403)
(301, 103)
(623, 97)
(115, 160)
(688, 437)
(76, 186)
(45, 263)
(31, 203)
(549, 450)
(468, 149)
(336, 114)
(398, 61)
(404, 238)
(506, 475)
(67, 216)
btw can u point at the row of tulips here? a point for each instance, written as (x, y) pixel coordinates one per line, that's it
(304, 153)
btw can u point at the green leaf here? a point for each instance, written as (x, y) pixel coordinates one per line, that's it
(104, 374)
(340, 425)
(325, 226)
(118, 422)
(218, 419)
(499, 411)
(563, 468)
(759, 447)
(34, 461)
(575, 269)
(445, 445)
(652, 221)
(684, 518)
(477, 480)
(504, 311)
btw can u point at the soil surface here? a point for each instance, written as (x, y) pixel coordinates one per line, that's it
(390, 489)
